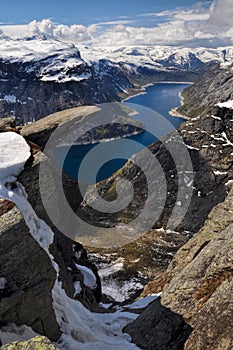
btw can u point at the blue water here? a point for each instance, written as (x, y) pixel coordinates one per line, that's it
(111, 156)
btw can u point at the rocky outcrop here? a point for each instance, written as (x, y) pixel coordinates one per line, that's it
(198, 283)
(26, 269)
(159, 328)
(27, 289)
(107, 121)
(199, 288)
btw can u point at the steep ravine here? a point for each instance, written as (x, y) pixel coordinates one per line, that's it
(209, 141)
(74, 325)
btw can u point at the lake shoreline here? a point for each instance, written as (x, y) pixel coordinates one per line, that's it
(95, 142)
(142, 90)
(160, 98)
(174, 111)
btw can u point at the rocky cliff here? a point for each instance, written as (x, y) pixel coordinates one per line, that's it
(199, 288)
(26, 294)
(215, 86)
(37, 285)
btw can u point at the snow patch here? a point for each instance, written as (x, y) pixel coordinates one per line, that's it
(217, 172)
(14, 152)
(228, 142)
(119, 290)
(227, 104)
(215, 117)
(77, 287)
(89, 277)
(229, 183)
(110, 270)
(144, 302)
(10, 98)
(191, 147)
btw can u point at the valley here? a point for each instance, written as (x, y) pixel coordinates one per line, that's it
(132, 250)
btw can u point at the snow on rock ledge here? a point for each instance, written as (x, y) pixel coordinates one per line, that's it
(227, 104)
(14, 152)
(80, 328)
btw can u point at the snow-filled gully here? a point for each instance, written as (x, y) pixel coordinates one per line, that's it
(81, 329)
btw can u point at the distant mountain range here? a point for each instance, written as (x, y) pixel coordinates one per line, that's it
(39, 76)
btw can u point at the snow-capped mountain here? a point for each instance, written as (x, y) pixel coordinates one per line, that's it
(39, 76)
(159, 57)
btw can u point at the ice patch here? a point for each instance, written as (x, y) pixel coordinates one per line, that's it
(77, 287)
(89, 277)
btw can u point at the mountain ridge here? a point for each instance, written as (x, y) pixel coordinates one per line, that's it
(40, 76)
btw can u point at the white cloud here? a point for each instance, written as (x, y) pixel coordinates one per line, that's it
(221, 13)
(192, 16)
(208, 26)
(75, 32)
(112, 23)
(166, 13)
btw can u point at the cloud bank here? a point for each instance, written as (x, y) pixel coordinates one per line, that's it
(199, 26)
(75, 32)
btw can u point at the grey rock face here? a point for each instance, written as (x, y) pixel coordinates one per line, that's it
(215, 86)
(199, 289)
(31, 99)
(28, 272)
(159, 328)
(29, 278)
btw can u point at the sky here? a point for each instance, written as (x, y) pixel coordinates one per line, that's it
(122, 22)
(85, 12)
